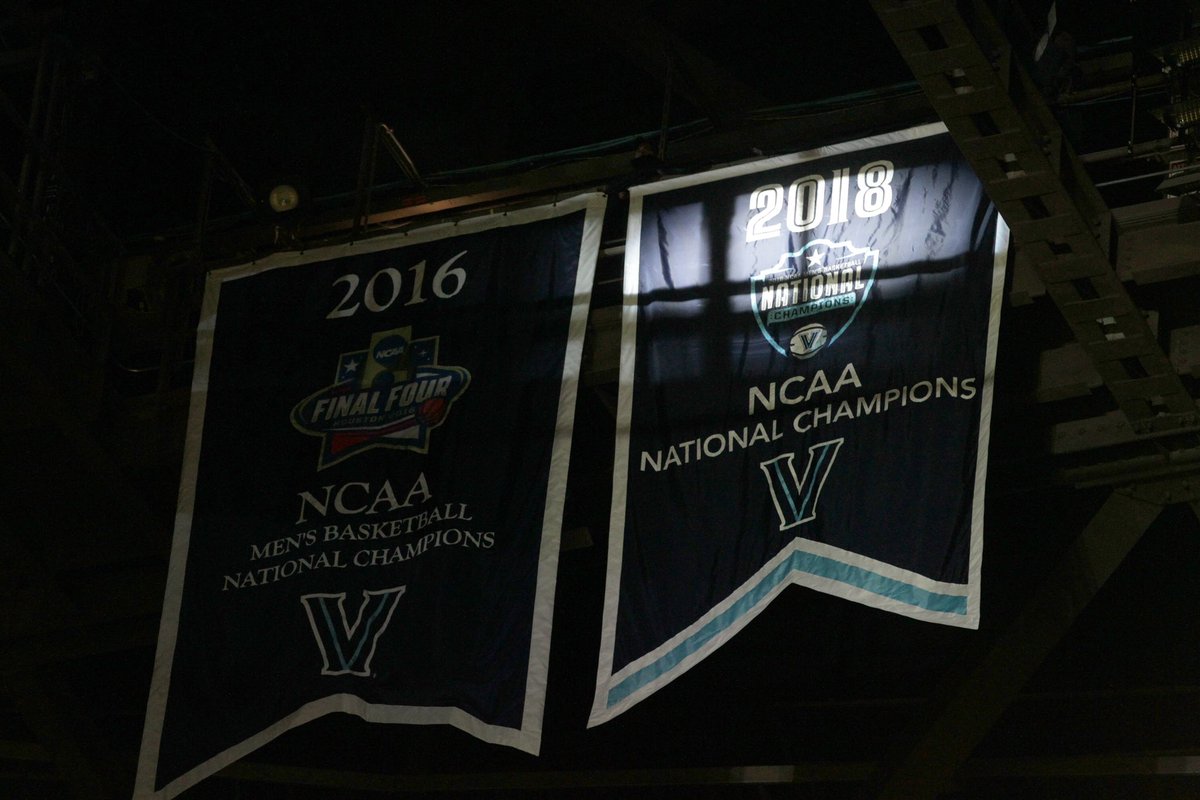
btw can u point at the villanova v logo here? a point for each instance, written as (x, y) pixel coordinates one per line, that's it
(347, 649)
(796, 500)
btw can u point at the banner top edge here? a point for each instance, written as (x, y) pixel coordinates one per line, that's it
(430, 232)
(799, 157)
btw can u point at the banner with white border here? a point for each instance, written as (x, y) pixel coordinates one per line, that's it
(807, 351)
(373, 487)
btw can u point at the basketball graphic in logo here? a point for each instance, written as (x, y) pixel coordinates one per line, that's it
(808, 340)
(821, 287)
(432, 410)
(392, 394)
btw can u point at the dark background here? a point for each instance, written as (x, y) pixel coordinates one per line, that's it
(900, 490)
(143, 164)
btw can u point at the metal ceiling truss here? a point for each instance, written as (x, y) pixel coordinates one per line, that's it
(1061, 227)
(1059, 222)
(983, 685)
(44, 624)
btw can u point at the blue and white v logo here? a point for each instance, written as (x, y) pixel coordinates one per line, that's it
(795, 500)
(347, 649)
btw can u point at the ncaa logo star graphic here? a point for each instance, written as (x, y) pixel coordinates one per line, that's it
(808, 299)
(389, 395)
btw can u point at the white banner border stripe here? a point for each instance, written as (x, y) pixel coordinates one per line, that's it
(607, 680)
(529, 741)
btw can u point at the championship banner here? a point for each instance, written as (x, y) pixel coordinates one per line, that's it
(806, 372)
(373, 488)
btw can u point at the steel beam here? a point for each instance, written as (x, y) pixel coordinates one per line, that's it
(541, 781)
(253, 241)
(1140, 764)
(1058, 220)
(1097, 766)
(967, 710)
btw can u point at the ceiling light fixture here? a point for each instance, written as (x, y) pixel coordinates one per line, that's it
(1180, 115)
(283, 198)
(1178, 54)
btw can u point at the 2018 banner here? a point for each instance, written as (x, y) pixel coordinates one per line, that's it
(372, 496)
(806, 369)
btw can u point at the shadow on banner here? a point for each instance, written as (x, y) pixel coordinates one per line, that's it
(373, 486)
(808, 344)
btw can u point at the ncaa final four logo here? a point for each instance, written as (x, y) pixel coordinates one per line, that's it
(390, 395)
(809, 298)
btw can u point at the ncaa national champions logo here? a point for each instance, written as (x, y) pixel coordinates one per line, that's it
(809, 298)
(389, 395)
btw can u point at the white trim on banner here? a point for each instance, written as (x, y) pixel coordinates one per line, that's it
(528, 737)
(764, 164)
(804, 562)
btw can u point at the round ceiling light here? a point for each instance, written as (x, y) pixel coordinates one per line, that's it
(283, 197)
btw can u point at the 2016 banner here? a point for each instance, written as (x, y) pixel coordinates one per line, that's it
(806, 369)
(372, 495)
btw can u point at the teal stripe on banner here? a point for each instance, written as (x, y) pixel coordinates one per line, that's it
(822, 566)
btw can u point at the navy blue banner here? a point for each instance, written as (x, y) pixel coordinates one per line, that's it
(805, 387)
(371, 503)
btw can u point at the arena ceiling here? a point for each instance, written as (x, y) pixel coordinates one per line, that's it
(140, 142)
